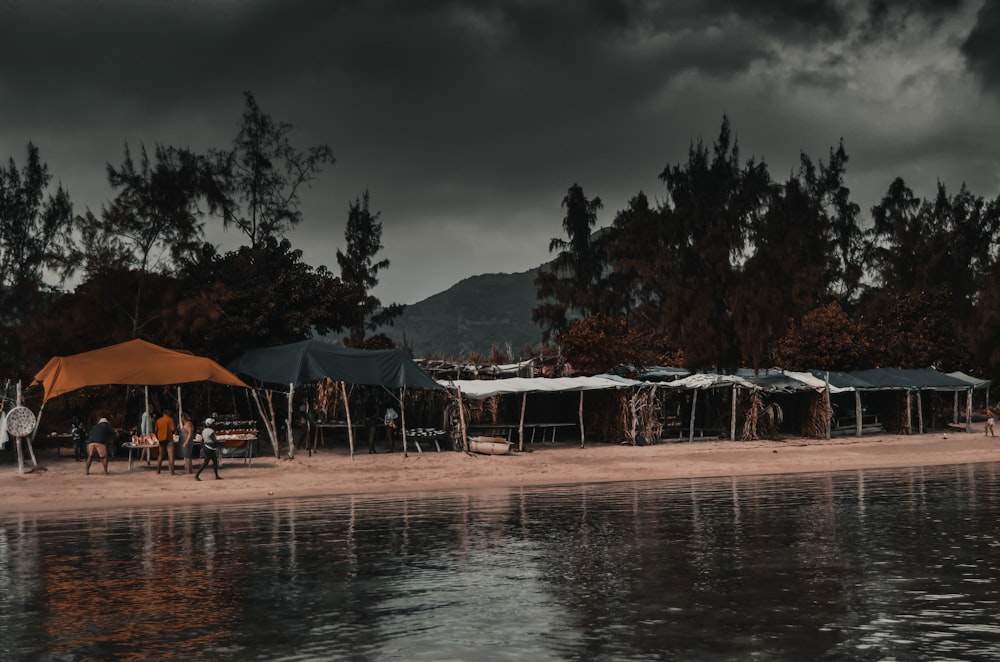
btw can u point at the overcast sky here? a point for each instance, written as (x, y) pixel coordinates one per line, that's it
(468, 120)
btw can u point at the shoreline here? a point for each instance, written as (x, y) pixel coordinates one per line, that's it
(59, 484)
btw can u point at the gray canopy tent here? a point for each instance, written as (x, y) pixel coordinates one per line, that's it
(312, 360)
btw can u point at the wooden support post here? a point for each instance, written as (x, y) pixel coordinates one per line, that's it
(920, 412)
(694, 406)
(520, 429)
(347, 415)
(909, 417)
(732, 424)
(461, 421)
(402, 422)
(857, 413)
(829, 406)
(268, 422)
(291, 405)
(968, 411)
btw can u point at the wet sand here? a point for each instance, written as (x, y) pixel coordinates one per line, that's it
(59, 484)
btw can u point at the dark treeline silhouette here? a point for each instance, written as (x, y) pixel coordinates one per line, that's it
(735, 269)
(144, 270)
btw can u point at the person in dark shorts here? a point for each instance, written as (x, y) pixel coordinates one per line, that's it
(209, 449)
(102, 436)
(165, 429)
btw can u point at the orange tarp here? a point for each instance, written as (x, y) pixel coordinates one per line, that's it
(135, 362)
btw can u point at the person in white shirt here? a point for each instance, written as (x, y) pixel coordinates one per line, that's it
(209, 449)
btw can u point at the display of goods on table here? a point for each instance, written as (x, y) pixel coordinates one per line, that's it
(145, 441)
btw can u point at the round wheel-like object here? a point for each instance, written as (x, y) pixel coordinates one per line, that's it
(453, 425)
(20, 422)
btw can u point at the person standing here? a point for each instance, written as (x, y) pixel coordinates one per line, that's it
(372, 419)
(79, 434)
(989, 423)
(102, 436)
(165, 429)
(187, 441)
(147, 421)
(209, 449)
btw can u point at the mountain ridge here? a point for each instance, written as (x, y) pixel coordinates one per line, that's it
(471, 317)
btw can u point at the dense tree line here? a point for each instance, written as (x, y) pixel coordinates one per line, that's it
(735, 269)
(144, 269)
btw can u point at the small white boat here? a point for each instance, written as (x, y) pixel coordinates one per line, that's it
(489, 445)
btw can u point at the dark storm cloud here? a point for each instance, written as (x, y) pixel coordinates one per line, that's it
(982, 47)
(471, 118)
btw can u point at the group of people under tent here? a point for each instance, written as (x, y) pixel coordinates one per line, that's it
(100, 441)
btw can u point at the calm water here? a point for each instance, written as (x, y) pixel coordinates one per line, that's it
(868, 565)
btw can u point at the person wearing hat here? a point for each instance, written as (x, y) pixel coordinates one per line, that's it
(209, 449)
(102, 436)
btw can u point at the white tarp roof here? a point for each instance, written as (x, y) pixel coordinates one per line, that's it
(707, 380)
(814, 382)
(480, 389)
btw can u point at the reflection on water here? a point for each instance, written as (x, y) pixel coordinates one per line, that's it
(863, 565)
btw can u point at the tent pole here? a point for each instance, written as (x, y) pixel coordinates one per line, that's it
(920, 412)
(857, 413)
(829, 407)
(268, 423)
(968, 411)
(405, 454)
(909, 419)
(20, 455)
(732, 423)
(694, 406)
(956, 407)
(520, 428)
(145, 412)
(38, 421)
(30, 437)
(274, 425)
(461, 420)
(291, 404)
(402, 420)
(583, 437)
(347, 413)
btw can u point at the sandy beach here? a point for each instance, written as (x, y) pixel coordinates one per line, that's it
(59, 484)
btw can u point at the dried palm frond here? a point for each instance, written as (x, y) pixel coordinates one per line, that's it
(641, 417)
(757, 413)
(491, 406)
(817, 420)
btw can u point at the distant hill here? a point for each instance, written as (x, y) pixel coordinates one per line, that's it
(472, 316)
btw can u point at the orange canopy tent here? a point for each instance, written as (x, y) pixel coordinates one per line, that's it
(135, 362)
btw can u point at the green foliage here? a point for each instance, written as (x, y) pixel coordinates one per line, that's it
(98, 313)
(359, 270)
(916, 331)
(601, 344)
(259, 297)
(262, 175)
(155, 217)
(573, 283)
(825, 338)
(35, 234)
(685, 259)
